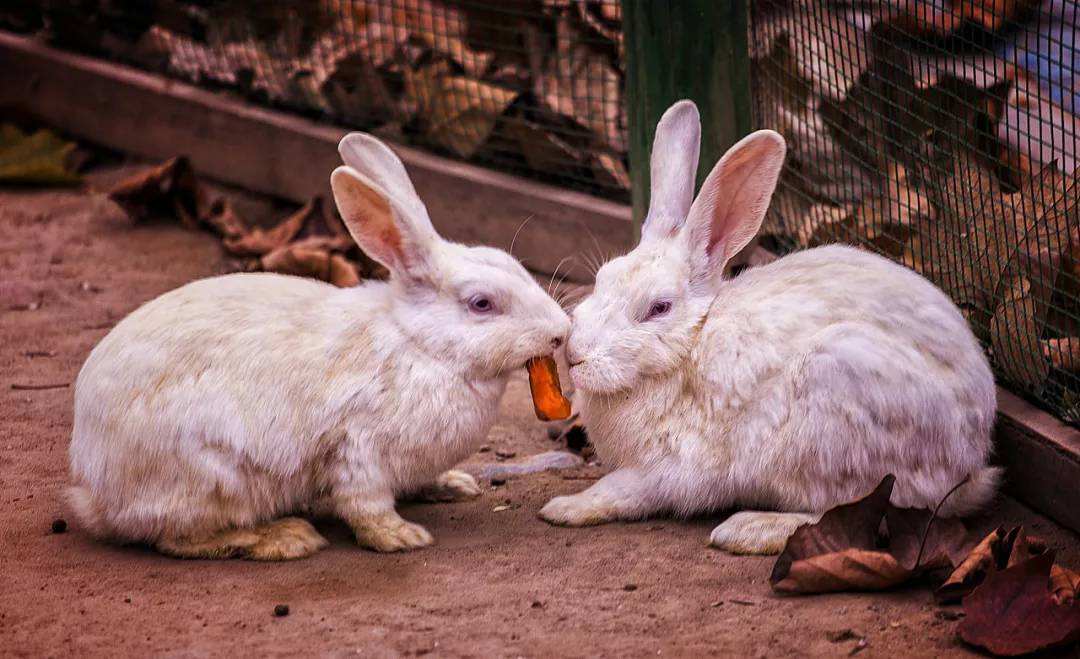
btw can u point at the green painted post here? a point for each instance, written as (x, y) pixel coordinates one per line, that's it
(675, 49)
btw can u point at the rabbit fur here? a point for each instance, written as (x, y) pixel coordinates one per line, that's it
(788, 390)
(211, 412)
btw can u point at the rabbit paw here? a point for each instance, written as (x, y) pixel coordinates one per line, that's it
(576, 510)
(392, 533)
(752, 532)
(286, 539)
(452, 485)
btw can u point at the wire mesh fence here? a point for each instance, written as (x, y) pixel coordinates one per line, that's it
(943, 135)
(533, 87)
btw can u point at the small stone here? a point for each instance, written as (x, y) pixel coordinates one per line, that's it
(894, 624)
(630, 587)
(498, 482)
(505, 455)
(281, 610)
(127, 600)
(859, 647)
(499, 509)
(537, 604)
(59, 526)
(485, 448)
(716, 603)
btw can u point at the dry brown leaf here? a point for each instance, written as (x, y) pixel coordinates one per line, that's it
(351, 73)
(817, 226)
(343, 272)
(845, 550)
(584, 85)
(543, 149)
(443, 28)
(610, 171)
(1064, 585)
(1063, 353)
(972, 570)
(299, 260)
(1014, 337)
(222, 217)
(998, 550)
(458, 113)
(169, 189)
(1013, 612)
(258, 241)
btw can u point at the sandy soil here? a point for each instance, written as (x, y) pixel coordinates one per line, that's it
(496, 583)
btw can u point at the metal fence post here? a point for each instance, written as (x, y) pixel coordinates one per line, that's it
(675, 49)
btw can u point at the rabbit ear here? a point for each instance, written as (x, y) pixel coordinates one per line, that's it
(672, 170)
(728, 211)
(390, 230)
(372, 158)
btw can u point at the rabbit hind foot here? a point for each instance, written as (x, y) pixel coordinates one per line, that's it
(756, 532)
(284, 539)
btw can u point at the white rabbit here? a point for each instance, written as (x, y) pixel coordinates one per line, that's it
(794, 387)
(212, 411)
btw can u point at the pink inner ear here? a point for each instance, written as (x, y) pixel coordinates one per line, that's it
(728, 214)
(370, 218)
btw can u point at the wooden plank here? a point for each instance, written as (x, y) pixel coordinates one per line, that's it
(1041, 457)
(291, 157)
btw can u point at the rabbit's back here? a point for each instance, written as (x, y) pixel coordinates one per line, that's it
(221, 381)
(832, 367)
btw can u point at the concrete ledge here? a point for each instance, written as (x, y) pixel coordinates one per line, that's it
(291, 157)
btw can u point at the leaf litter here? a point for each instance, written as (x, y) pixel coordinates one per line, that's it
(1015, 599)
(310, 242)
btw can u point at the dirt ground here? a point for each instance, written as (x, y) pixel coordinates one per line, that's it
(495, 584)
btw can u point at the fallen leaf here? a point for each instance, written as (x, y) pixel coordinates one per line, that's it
(343, 272)
(39, 158)
(1013, 612)
(544, 149)
(169, 189)
(1014, 337)
(458, 113)
(299, 260)
(846, 551)
(972, 570)
(258, 241)
(223, 219)
(610, 171)
(583, 84)
(998, 550)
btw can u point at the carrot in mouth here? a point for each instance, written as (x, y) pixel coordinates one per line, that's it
(548, 399)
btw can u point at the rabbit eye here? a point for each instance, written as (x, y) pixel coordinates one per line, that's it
(658, 308)
(481, 304)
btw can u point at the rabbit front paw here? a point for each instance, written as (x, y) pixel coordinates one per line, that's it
(577, 510)
(452, 485)
(389, 532)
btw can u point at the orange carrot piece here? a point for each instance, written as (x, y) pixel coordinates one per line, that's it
(548, 399)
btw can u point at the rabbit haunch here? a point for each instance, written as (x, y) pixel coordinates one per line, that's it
(212, 411)
(794, 387)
